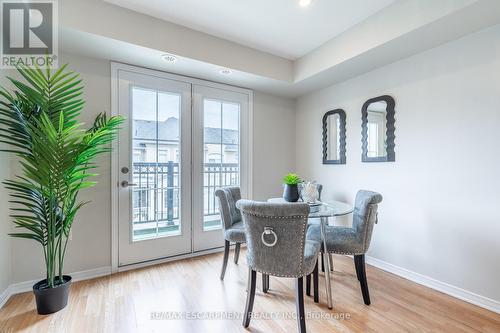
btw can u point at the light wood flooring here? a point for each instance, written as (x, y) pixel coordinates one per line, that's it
(187, 296)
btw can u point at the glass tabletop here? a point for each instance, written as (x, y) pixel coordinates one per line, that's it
(329, 208)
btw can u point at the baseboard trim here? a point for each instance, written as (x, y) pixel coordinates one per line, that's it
(169, 259)
(467, 296)
(25, 286)
(4, 296)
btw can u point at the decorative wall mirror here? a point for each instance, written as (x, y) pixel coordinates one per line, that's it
(378, 130)
(334, 137)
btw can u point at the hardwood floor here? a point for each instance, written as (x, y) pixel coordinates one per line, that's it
(149, 299)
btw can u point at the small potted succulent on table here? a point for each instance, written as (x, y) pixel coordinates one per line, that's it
(291, 189)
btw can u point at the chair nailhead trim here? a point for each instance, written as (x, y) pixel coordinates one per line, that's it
(278, 275)
(301, 265)
(276, 217)
(345, 253)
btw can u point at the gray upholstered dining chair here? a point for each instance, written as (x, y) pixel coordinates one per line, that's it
(233, 228)
(356, 240)
(277, 246)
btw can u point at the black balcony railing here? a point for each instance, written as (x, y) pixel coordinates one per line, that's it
(217, 175)
(160, 181)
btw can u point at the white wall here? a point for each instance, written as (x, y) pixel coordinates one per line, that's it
(274, 144)
(5, 225)
(118, 23)
(274, 154)
(384, 26)
(440, 215)
(90, 245)
(5, 243)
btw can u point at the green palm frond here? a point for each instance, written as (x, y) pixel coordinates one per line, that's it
(38, 123)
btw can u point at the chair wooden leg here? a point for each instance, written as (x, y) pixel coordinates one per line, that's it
(362, 278)
(356, 266)
(224, 261)
(252, 279)
(316, 283)
(322, 262)
(308, 285)
(236, 253)
(299, 301)
(330, 257)
(265, 283)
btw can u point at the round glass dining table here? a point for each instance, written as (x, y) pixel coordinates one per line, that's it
(320, 209)
(323, 210)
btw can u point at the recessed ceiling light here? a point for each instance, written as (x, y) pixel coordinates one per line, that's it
(304, 3)
(169, 58)
(225, 71)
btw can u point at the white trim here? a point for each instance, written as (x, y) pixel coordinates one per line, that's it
(188, 79)
(169, 259)
(114, 172)
(5, 295)
(443, 287)
(467, 296)
(249, 147)
(174, 258)
(25, 286)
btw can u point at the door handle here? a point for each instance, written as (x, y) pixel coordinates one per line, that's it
(125, 183)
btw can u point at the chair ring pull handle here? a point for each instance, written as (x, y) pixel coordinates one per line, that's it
(269, 231)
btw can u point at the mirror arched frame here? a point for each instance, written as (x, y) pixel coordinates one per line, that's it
(390, 155)
(342, 137)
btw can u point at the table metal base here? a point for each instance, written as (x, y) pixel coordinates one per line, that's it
(324, 223)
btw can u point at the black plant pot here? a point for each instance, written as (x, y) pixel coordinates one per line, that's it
(50, 300)
(291, 193)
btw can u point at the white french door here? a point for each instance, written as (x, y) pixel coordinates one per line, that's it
(183, 138)
(217, 151)
(154, 185)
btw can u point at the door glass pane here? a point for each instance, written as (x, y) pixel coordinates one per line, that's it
(221, 154)
(156, 163)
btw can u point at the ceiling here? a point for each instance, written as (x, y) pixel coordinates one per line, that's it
(402, 29)
(279, 27)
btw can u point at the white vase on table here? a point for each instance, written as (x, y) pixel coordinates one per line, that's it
(309, 192)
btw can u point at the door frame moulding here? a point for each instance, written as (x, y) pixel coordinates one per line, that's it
(248, 153)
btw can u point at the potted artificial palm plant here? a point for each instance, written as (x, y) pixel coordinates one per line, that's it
(39, 124)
